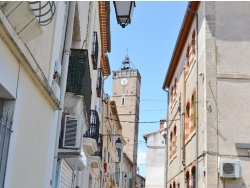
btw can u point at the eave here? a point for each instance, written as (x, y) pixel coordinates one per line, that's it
(181, 40)
(104, 14)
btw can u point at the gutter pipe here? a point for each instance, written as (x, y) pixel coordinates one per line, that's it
(166, 147)
(63, 81)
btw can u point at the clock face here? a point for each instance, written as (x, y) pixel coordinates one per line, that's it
(124, 81)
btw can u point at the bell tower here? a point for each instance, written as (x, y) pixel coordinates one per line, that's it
(126, 94)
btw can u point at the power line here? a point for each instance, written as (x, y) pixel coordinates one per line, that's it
(142, 121)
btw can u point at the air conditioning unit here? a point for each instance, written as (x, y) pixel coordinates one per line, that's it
(229, 168)
(72, 133)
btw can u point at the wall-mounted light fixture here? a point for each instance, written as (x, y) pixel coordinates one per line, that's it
(124, 12)
(118, 144)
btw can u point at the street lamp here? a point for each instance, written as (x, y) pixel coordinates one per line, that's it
(118, 144)
(125, 176)
(124, 11)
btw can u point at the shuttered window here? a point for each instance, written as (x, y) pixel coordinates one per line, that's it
(66, 177)
(6, 115)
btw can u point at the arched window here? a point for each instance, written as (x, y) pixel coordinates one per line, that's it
(187, 54)
(174, 185)
(193, 38)
(170, 186)
(193, 106)
(193, 171)
(187, 180)
(188, 109)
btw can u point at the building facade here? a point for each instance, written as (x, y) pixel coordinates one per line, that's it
(155, 158)
(51, 88)
(207, 82)
(112, 156)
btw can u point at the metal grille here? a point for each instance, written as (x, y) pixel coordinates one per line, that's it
(93, 131)
(99, 84)
(94, 54)
(5, 133)
(44, 11)
(78, 80)
(228, 168)
(99, 145)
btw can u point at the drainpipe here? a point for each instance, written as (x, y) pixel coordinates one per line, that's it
(183, 120)
(63, 81)
(197, 92)
(102, 178)
(166, 148)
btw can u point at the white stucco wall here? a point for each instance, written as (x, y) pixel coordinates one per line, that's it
(34, 117)
(155, 161)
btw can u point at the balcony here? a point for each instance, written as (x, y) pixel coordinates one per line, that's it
(78, 80)
(91, 138)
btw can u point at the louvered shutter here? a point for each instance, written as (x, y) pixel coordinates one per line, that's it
(66, 175)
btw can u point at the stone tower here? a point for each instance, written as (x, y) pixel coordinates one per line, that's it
(126, 93)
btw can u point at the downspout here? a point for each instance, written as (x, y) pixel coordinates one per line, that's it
(102, 178)
(166, 146)
(63, 81)
(183, 120)
(197, 93)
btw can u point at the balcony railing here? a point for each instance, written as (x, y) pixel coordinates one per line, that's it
(99, 84)
(78, 80)
(94, 54)
(44, 11)
(99, 145)
(94, 124)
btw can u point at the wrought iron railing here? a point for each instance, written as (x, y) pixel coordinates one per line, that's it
(99, 84)
(93, 131)
(99, 145)
(94, 54)
(44, 11)
(78, 80)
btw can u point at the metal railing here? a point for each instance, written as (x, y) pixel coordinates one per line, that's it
(94, 54)
(99, 84)
(93, 131)
(78, 80)
(44, 11)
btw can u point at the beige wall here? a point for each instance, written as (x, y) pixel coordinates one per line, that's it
(223, 97)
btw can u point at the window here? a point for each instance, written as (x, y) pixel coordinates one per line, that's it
(187, 180)
(95, 49)
(5, 133)
(123, 101)
(193, 176)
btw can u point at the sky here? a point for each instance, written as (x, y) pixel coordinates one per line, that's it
(149, 42)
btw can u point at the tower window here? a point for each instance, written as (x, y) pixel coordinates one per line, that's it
(123, 101)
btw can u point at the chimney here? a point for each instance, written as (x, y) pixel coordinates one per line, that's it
(162, 121)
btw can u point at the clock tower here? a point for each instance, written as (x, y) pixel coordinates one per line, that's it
(126, 94)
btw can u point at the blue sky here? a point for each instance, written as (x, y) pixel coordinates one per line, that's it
(150, 40)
